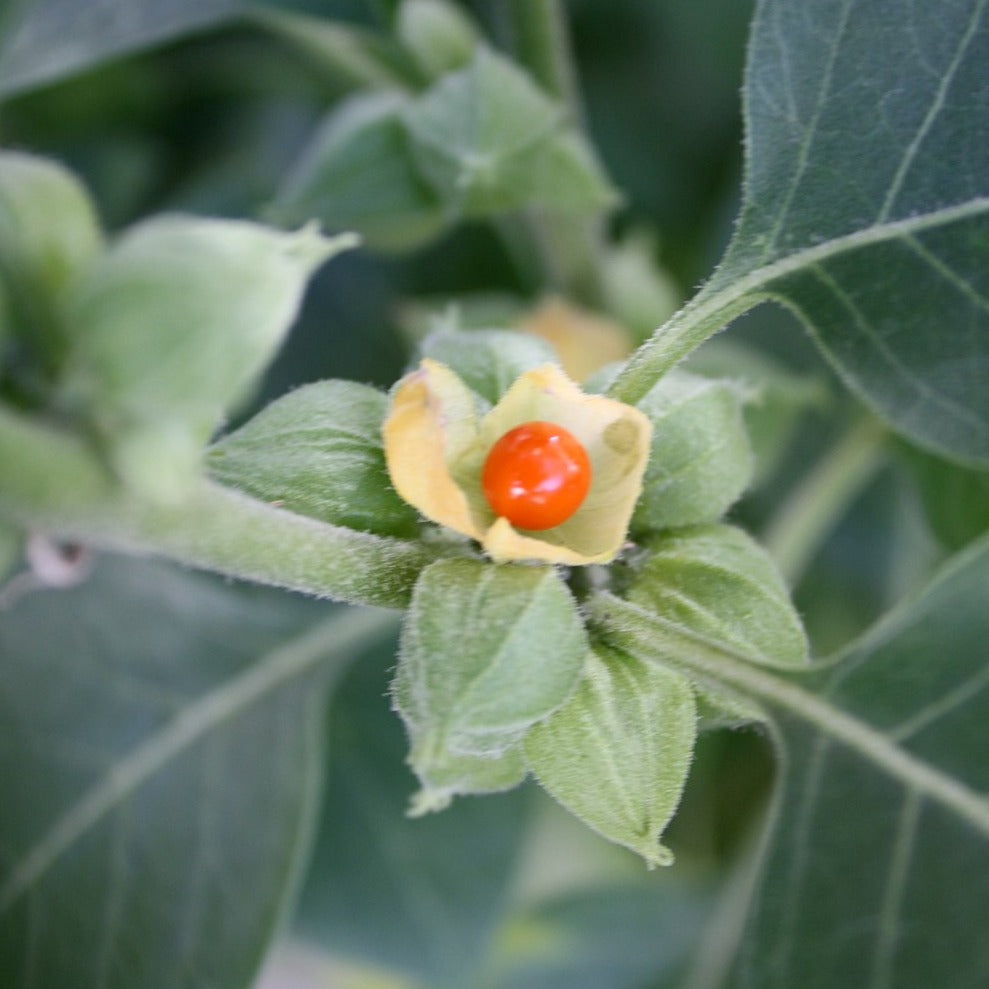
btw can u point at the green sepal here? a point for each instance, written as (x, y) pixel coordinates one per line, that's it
(359, 173)
(171, 327)
(618, 752)
(449, 774)
(440, 36)
(773, 397)
(486, 651)
(49, 234)
(318, 452)
(488, 361)
(700, 460)
(716, 582)
(489, 140)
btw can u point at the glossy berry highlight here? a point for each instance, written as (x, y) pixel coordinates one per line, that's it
(536, 475)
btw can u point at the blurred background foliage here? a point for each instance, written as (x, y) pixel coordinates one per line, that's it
(210, 118)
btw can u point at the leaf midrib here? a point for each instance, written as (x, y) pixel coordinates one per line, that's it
(336, 636)
(689, 327)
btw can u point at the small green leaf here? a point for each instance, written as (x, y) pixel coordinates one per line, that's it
(359, 173)
(318, 451)
(488, 361)
(49, 233)
(486, 652)
(617, 753)
(439, 34)
(172, 326)
(700, 460)
(489, 140)
(717, 582)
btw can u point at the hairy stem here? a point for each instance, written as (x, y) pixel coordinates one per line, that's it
(53, 481)
(823, 497)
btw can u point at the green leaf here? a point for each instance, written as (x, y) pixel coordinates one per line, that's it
(172, 326)
(618, 752)
(47, 39)
(700, 459)
(880, 825)
(49, 235)
(488, 361)
(318, 451)
(488, 140)
(486, 652)
(439, 34)
(421, 897)
(358, 173)
(877, 236)
(718, 583)
(136, 849)
(955, 499)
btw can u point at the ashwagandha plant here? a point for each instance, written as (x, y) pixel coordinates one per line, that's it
(552, 510)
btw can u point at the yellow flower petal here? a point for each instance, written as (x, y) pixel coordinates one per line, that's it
(435, 449)
(432, 420)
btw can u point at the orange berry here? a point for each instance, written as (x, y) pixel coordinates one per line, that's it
(537, 475)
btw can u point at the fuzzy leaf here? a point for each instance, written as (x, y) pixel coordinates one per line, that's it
(617, 753)
(716, 582)
(358, 173)
(487, 361)
(138, 850)
(318, 451)
(172, 326)
(486, 652)
(700, 459)
(488, 140)
(866, 209)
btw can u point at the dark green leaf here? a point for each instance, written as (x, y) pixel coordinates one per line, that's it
(137, 851)
(866, 208)
(318, 451)
(358, 173)
(877, 859)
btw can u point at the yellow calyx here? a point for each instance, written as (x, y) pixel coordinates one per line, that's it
(436, 444)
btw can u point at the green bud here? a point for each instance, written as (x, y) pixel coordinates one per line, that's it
(618, 752)
(172, 326)
(486, 651)
(318, 452)
(49, 234)
(700, 460)
(718, 583)
(440, 36)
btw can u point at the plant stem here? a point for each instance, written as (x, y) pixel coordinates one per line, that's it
(823, 496)
(54, 481)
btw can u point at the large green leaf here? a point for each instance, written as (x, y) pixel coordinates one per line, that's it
(161, 757)
(876, 860)
(866, 208)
